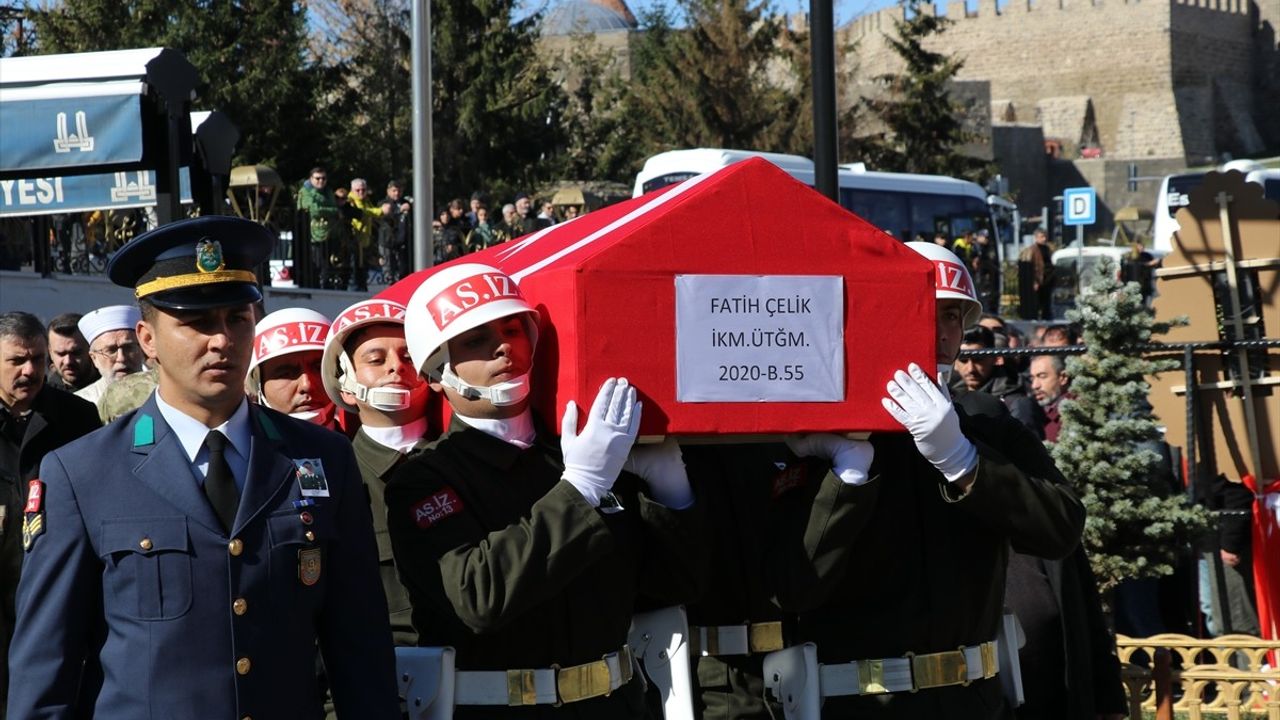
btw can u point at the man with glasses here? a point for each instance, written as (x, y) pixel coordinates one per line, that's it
(113, 346)
(364, 214)
(318, 201)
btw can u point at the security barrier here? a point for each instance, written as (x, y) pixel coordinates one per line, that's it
(1233, 676)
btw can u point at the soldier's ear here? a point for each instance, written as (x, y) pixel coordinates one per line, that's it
(146, 338)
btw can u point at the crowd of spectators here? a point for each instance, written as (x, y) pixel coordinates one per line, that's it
(353, 236)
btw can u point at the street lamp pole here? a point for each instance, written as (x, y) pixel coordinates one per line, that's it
(822, 54)
(422, 181)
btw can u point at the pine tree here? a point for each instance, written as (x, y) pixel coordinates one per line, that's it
(711, 83)
(496, 108)
(923, 121)
(1137, 525)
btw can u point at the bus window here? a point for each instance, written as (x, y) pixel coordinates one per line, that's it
(906, 214)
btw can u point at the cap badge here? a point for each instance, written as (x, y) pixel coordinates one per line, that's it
(209, 256)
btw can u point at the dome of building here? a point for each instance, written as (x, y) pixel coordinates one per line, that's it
(587, 16)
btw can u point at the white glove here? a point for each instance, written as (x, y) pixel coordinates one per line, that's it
(925, 410)
(662, 467)
(850, 459)
(593, 459)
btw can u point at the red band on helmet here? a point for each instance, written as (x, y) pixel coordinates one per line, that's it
(468, 294)
(951, 276)
(288, 335)
(368, 311)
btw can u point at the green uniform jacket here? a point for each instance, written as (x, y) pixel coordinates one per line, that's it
(926, 571)
(377, 463)
(323, 210)
(509, 565)
(748, 491)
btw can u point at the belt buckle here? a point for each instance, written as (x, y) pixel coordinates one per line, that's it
(764, 637)
(582, 681)
(990, 662)
(939, 669)
(522, 689)
(871, 677)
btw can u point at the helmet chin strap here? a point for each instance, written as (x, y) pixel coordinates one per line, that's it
(385, 399)
(501, 395)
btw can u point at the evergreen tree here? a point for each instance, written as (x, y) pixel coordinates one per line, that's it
(362, 47)
(496, 108)
(1137, 525)
(710, 84)
(923, 122)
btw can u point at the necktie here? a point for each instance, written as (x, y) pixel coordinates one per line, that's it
(219, 484)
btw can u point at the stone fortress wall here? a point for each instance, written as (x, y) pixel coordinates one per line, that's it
(1157, 84)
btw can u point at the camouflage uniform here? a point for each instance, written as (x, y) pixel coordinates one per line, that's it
(127, 394)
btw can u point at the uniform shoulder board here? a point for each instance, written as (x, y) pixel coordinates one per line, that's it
(436, 507)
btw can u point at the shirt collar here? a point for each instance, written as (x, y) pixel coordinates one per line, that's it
(518, 430)
(400, 438)
(191, 432)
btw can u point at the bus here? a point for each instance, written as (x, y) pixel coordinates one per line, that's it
(905, 206)
(1175, 191)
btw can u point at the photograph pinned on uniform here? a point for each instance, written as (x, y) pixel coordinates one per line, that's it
(311, 479)
(309, 566)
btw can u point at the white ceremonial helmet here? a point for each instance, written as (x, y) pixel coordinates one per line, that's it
(951, 279)
(283, 332)
(339, 371)
(454, 300)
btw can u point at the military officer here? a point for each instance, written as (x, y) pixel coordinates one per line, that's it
(905, 603)
(180, 569)
(367, 370)
(527, 555)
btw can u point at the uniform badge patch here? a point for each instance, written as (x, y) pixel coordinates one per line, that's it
(309, 566)
(33, 514)
(35, 496)
(311, 478)
(436, 507)
(789, 479)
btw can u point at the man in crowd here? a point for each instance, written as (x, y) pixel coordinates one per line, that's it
(510, 227)
(322, 207)
(393, 234)
(367, 370)
(1038, 257)
(1049, 383)
(365, 216)
(525, 557)
(524, 221)
(35, 419)
(71, 367)
(905, 603)
(284, 373)
(546, 215)
(982, 374)
(113, 345)
(181, 567)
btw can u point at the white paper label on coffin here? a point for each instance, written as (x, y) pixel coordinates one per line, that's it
(759, 338)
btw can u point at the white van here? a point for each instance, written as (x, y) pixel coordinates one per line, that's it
(901, 204)
(1175, 191)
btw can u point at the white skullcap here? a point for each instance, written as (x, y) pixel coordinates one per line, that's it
(106, 319)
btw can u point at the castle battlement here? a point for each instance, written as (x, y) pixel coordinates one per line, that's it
(956, 10)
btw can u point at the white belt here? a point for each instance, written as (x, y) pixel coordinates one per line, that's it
(911, 673)
(736, 639)
(544, 686)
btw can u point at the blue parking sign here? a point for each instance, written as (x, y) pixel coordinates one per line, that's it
(1079, 206)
